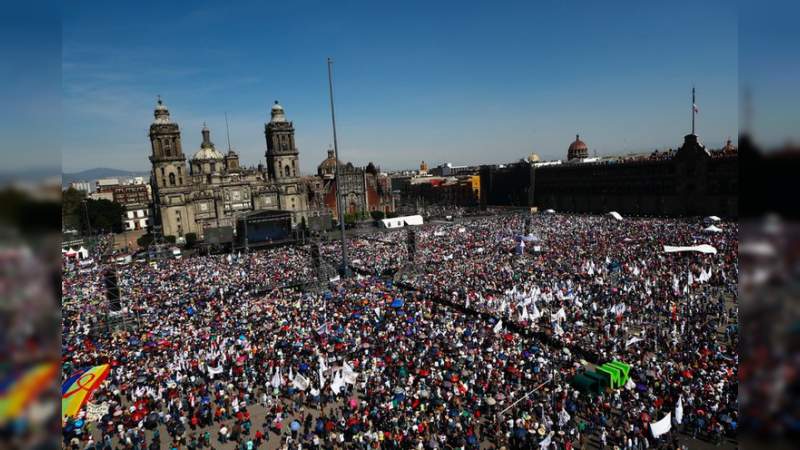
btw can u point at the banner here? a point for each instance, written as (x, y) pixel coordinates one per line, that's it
(300, 382)
(96, 412)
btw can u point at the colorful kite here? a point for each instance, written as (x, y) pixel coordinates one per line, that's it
(75, 392)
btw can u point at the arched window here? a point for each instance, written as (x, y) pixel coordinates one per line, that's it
(167, 147)
(171, 179)
(287, 171)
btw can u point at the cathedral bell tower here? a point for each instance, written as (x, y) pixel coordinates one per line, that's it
(281, 152)
(167, 155)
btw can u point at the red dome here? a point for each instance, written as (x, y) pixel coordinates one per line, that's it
(578, 149)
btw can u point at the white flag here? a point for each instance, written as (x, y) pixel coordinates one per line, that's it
(277, 380)
(338, 382)
(498, 326)
(349, 376)
(679, 411)
(662, 426)
(633, 340)
(546, 441)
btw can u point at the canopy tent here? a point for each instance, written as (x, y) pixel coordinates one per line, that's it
(615, 215)
(549, 211)
(83, 253)
(712, 219)
(530, 238)
(400, 222)
(712, 229)
(702, 248)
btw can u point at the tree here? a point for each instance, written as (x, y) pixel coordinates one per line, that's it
(391, 215)
(191, 239)
(145, 240)
(350, 218)
(104, 215)
(377, 215)
(72, 208)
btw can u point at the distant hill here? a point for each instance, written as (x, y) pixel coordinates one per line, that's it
(34, 175)
(97, 173)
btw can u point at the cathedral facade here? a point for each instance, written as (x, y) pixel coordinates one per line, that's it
(214, 190)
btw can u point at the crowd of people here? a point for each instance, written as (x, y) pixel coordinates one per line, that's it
(473, 344)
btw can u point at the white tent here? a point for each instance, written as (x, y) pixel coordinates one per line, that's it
(712, 229)
(549, 211)
(702, 248)
(712, 219)
(530, 238)
(83, 253)
(400, 222)
(615, 215)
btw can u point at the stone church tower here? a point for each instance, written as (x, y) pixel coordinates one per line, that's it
(282, 164)
(169, 177)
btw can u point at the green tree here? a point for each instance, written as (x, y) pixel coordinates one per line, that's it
(145, 240)
(377, 215)
(104, 215)
(72, 208)
(191, 240)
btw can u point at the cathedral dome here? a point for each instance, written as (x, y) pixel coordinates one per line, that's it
(207, 150)
(328, 166)
(578, 149)
(207, 153)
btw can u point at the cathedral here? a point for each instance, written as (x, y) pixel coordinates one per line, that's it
(215, 190)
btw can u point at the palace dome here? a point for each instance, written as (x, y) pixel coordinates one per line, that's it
(578, 149)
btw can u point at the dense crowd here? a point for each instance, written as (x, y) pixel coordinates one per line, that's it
(473, 345)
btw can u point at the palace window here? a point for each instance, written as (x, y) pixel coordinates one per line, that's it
(172, 179)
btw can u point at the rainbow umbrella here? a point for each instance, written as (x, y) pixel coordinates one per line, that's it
(75, 392)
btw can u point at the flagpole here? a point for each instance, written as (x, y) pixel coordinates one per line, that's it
(339, 197)
(694, 109)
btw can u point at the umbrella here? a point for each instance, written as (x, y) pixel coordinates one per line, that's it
(490, 401)
(397, 303)
(295, 425)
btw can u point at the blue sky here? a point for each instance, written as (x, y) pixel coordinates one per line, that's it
(465, 82)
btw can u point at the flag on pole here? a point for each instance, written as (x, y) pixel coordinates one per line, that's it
(662, 426)
(498, 326)
(695, 108)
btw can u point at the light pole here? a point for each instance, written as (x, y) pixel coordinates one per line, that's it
(343, 270)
